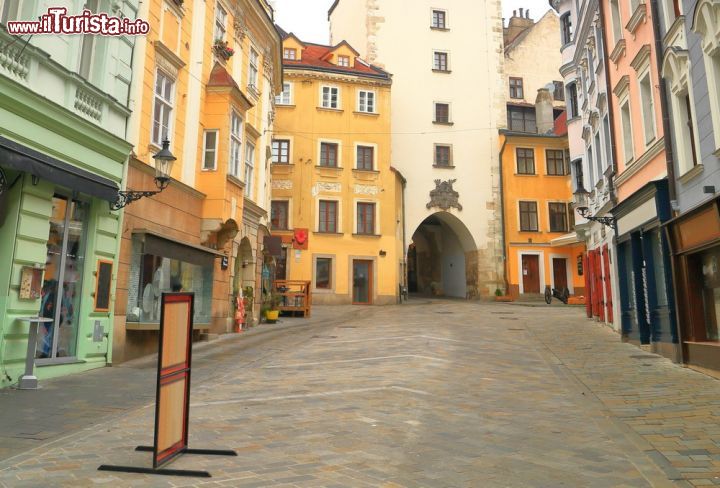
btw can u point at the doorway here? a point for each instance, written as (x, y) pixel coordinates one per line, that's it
(531, 273)
(62, 283)
(560, 273)
(362, 282)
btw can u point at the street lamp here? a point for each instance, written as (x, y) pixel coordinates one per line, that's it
(580, 201)
(164, 160)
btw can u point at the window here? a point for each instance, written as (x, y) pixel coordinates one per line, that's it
(366, 101)
(285, 98)
(440, 61)
(281, 151)
(235, 144)
(328, 154)
(559, 91)
(525, 161)
(573, 106)
(365, 158)
(10, 9)
(555, 160)
(591, 163)
(220, 22)
(330, 97)
(88, 44)
(443, 155)
(442, 113)
(565, 29)
(516, 88)
(323, 273)
(607, 141)
(558, 217)
(617, 27)
(249, 166)
(627, 131)
(598, 155)
(522, 119)
(162, 111)
(366, 218)
(279, 214)
(327, 220)
(571, 217)
(528, 216)
(579, 180)
(253, 69)
(343, 61)
(439, 20)
(648, 107)
(289, 53)
(210, 150)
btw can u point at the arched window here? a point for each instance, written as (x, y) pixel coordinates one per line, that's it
(706, 23)
(676, 70)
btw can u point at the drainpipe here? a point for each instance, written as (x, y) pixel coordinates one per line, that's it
(667, 131)
(502, 218)
(611, 108)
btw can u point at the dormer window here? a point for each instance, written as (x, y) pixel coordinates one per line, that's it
(343, 61)
(289, 53)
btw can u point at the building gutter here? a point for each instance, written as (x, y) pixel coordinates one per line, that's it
(667, 130)
(611, 108)
(502, 218)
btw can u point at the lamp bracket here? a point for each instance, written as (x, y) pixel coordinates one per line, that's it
(125, 198)
(606, 221)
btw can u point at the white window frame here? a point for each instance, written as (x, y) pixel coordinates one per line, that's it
(333, 262)
(339, 227)
(220, 24)
(235, 158)
(253, 71)
(291, 143)
(290, 50)
(329, 100)
(647, 112)
(627, 137)
(10, 9)
(376, 222)
(213, 167)
(676, 70)
(705, 25)
(166, 105)
(617, 27)
(375, 154)
(432, 18)
(286, 98)
(339, 151)
(364, 109)
(344, 58)
(249, 168)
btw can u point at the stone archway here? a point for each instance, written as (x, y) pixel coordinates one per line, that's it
(442, 258)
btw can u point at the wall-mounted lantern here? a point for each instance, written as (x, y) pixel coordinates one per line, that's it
(164, 160)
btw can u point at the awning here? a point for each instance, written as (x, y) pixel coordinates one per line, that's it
(22, 158)
(167, 247)
(565, 240)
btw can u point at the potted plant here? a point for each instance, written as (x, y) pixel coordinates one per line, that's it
(222, 49)
(272, 309)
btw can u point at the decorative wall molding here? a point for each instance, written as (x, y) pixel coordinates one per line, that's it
(88, 104)
(444, 196)
(282, 184)
(366, 190)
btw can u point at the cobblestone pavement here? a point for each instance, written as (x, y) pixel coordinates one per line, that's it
(430, 394)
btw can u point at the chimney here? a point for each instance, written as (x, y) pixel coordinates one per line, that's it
(521, 13)
(544, 117)
(517, 25)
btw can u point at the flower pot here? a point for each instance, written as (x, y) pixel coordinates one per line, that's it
(272, 315)
(503, 298)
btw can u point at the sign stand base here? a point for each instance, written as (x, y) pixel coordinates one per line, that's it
(169, 472)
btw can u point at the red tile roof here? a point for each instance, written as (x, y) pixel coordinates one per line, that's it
(315, 56)
(560, 128)
(220, 77)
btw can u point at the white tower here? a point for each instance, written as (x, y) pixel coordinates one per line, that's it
(447, 104)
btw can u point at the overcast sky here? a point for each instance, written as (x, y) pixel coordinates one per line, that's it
(308, 18)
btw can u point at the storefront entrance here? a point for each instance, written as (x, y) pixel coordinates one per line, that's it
(560, 273)
(61, 291)
(362, 282)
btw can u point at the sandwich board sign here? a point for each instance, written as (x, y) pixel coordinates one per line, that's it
(172, 400)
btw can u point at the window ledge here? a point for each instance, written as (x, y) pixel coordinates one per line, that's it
(556, 176)
(717, 153)
(691, 174)
(284, 231)
(156, 326)
(530, 232)
(526, 174)
(444, 166)
(449, 124)
(285, 105)
(441, 29)
(281, 165)
(367, 235)
(444, 71)
(373, 171)
(371, 114)
(328, 109)
(328, 233)
(336, 168)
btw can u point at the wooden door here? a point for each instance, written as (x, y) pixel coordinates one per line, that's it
(608, 284)
(599, 285)
(589, 297)
(531, 273)
(560, 273)
(362, 282)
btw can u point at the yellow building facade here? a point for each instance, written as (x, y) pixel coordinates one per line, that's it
(541, 248)
(206, 76)
(336, 200)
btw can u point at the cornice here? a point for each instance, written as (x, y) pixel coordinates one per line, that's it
(621, 87)
(618, 51)
(638, 16)
(324, 75)
(641, 162)
(641, 58)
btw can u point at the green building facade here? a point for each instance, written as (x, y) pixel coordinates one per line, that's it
(63, 157)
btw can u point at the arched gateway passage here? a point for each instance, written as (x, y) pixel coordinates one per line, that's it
(438, 257)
